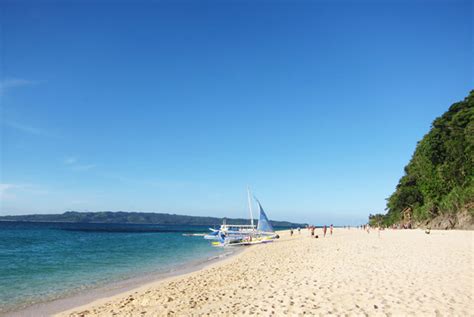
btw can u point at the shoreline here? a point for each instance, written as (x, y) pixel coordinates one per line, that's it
(391, 272)
(116, 288)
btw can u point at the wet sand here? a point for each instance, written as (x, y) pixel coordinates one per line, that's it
(352, 272)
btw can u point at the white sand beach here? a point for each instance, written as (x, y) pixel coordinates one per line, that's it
(400, 272)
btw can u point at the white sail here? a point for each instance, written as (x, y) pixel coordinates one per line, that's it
(264, 224)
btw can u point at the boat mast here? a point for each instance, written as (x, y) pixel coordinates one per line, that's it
(250, 206)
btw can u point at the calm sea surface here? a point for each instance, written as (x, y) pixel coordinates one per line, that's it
(45, 261)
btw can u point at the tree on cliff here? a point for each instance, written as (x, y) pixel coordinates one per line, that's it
(439, 178)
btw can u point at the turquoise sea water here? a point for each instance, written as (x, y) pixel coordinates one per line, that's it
(45, 261)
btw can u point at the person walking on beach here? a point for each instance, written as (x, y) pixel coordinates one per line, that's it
(324, 230)
(312, 231)
(330, 229)
(291, 232)
(299, 230)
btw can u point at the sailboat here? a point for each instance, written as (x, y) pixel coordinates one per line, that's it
(235, 231)
(233, 235)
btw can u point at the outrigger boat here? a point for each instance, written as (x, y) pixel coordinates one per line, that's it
(235, 235)
(229, 230)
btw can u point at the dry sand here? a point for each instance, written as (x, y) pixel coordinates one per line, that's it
(352, 272)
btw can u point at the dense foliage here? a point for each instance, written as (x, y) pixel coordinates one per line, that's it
(135, 217)
(439, 178)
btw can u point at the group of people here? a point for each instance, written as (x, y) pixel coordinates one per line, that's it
(291, 231)
(312, 229)
(325, 228)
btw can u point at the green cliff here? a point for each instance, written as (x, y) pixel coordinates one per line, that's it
(437, 189)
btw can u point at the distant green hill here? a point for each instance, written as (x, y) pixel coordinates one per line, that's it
(437, 189)
(135, 217)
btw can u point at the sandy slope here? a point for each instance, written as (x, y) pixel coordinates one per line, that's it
(352, 272)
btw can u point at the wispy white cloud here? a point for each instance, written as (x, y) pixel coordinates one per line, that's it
(25, 128)
(5, 191)
(12, 83)
(85, 167)
(11, 191)
(70, 160)
(76, 165)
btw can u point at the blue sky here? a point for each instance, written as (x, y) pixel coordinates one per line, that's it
(178, 106)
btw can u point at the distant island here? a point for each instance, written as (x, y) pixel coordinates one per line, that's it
(437, 189)
(136, 218)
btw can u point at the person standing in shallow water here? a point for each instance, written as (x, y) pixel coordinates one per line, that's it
(324, 230)
(330, 229)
